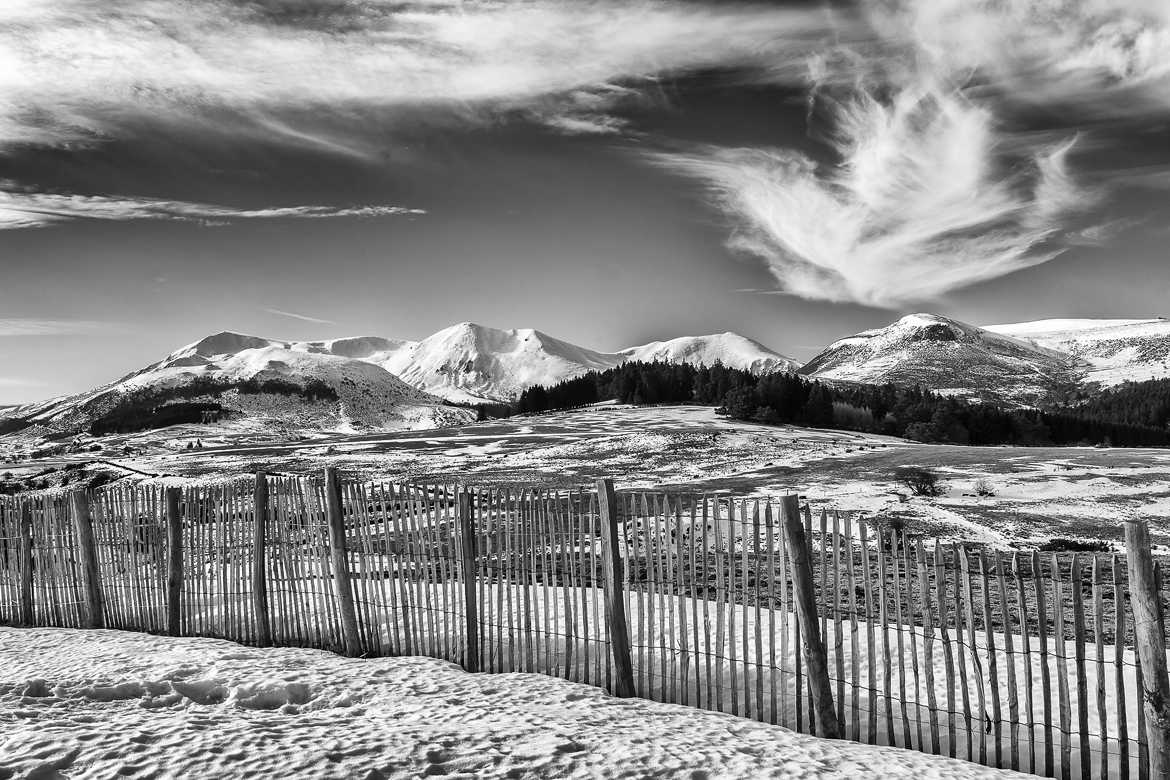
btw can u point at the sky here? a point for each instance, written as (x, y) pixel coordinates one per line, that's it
(608, 172)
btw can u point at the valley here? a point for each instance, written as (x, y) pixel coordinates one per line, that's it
(1037, 493)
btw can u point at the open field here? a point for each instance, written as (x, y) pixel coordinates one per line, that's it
(1040, 492)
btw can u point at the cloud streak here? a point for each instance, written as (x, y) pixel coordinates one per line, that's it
(40, 327)
(301, 317)
(24, 209)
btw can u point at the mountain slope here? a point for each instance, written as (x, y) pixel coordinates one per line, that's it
(1113, 351)
(949, 357)
(260, 380)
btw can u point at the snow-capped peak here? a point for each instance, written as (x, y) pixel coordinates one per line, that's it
(948, 356)
(730, 349)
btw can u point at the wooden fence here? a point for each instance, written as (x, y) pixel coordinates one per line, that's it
(1024, 660)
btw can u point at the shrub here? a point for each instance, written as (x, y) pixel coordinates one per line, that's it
(1075, 545)
(983, 488)
(920, 481)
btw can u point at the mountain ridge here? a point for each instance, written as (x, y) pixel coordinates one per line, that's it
(373, 382)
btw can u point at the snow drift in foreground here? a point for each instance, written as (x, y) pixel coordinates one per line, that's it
(104, 703)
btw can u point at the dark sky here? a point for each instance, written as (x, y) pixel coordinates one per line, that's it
(608, 173)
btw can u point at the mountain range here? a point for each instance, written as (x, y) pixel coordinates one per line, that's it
(371, 382)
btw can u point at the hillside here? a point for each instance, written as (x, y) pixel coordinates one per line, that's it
(948, 357)
(252, 381)
(1112, 351)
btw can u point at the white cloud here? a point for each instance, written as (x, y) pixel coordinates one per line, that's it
(25, 209)
(931, 190)
(79, 69)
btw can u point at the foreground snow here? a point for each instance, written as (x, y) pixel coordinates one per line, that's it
(105, 703)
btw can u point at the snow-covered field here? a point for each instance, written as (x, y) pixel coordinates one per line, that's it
(107, 703)
(1039, 492)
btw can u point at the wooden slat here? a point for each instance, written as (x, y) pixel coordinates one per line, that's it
(838, 637)
(1009, 650)
(1045, 668)
(1078, 610)
(854, 649)
(908, 588)
(785, 603)
(678, 584)
(884, 618)
(1119, 669)
(1026, 649)
(978, 667)
(870, 641)
(756, 560)
(1099, 641)
(961, 593)
(928, 648)
(992, 661)
(773, 672)
(174, 561)
(729, 583)
(614, 579)
(814, 647)
(896, 574)
(1062, 672)
(720, 599)
(940, 580)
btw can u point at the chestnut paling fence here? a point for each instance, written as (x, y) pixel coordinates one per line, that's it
(768, 609)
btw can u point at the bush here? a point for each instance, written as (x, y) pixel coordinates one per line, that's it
(983, 488)
(921, 482)
(1075, 545)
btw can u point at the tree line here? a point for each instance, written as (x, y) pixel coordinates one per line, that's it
(908, 412)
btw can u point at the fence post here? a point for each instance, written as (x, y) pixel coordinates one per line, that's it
(174, 561)
(259, 580)
(1151, 645)
(615, 605)
(83, 524)
(467, 541)
(26, 564)
(815, 655)
(340, 564)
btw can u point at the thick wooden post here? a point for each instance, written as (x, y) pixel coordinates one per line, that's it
(26, 564)
(466, 520)
(259, 555)
(87, 548)
(340, 564)
(815, 655)
(1151, 646)
(174, 561)
(613, 579)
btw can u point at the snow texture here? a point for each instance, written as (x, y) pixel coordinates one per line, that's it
(108, 703)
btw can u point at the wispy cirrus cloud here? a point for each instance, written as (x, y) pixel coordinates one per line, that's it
(930, 190)
(75, 70)
(21, 208)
